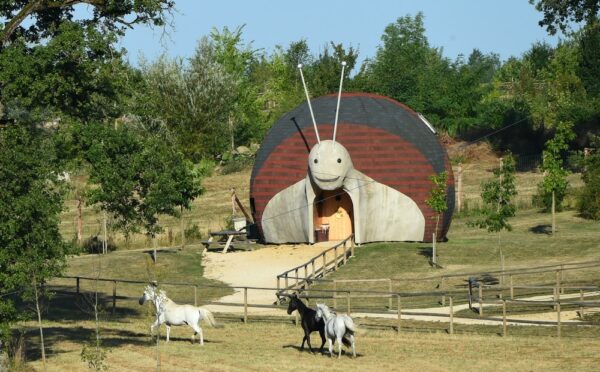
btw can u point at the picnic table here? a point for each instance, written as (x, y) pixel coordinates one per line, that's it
(224, 239)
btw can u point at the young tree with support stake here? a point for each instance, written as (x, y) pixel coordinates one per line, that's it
(437, 201)
(554, 185)
(497, 195)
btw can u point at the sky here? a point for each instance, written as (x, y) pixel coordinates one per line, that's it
(506, 27)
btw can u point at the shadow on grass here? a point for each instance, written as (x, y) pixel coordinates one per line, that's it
(542, 229)
(53, 336)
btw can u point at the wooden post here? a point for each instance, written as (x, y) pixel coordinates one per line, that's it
(306, 274)
(104, 235)
(442, 286)
(79, 219)
(433, 252)
(246, 305)
(345, 258)
(480, 300)
(352, 247)
(459, 187)
(324, 264)
(504, 329)
(558, 318)
(296, 272)
(195, 295)
(399, 314)
(114, 304)
(348, 301)
(451, 310)
(562, 278)
(287, 285)
(312, 262)
(77, 279)
(278, 283)
(390, 290)
(335, 259)
(182, 228)
(581, 307)
(512, 288)
(558, 279)
(335, 294)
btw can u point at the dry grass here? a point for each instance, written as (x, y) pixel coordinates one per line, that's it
(261, 346)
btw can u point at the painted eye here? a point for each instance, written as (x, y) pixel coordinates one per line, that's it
(339, 160)
(316, 161)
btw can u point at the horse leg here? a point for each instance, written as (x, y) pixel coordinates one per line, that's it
(198, 330)
(353, 348)
(330, 347)
(168, 332)
(339, 340)
(322, 334)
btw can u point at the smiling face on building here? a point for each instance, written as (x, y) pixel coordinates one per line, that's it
(329, 163)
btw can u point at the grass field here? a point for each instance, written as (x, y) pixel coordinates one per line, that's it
(274, 345)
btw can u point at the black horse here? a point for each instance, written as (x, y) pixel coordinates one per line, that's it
(310, 323)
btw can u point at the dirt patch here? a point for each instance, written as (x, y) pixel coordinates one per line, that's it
(258, 268)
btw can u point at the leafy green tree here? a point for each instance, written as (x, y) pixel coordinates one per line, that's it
(31, 199)
(589, 199)
(113, 15)
(437, 201)
(498, 206)
(138, 176)
(558, 14)
(553, 187)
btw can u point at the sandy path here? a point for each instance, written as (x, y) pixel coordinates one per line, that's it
(257, 268)
(260, 268)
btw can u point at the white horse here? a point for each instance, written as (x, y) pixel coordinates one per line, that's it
(337, 327)
(173, 314)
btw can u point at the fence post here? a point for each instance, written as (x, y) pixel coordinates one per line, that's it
(335, 294)
(114, 304)
(348, 301)
(504, 330)
(581, 307)
(399, 314)
(306, 274)
(558, 283)
(562, 278)
(558, 318)
(287, 285)
(512, 288)
(480, 300)
(442, 286)
(278, 284)
(352, 247)
(335, 259)
(195, 295)
(313, 268)
(77, 279)
(246, 305)
(451, 315)
(324, 264)
(390, 290)
(296, 272)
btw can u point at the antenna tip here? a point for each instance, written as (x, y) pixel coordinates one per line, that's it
(299, 65)
(343, 63)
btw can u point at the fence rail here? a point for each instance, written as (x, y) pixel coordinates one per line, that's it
(346, 247)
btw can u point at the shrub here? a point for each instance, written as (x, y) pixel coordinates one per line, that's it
(93, 245)
(589, 199)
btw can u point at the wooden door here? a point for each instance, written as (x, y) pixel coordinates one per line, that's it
(335, 210)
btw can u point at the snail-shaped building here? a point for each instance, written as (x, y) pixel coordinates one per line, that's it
(367, 176)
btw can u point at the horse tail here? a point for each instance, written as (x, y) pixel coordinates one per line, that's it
(350, 329)
(208, 316)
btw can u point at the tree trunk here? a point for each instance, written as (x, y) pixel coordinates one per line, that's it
(79, 220)
(39, 316)
(181, 226)
(105, 236)
(553, 213)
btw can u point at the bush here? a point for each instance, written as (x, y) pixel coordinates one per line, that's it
(192, 233)
(589, 199)
(93, 245)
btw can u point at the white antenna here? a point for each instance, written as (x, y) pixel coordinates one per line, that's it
(312, 115)
(337, 110)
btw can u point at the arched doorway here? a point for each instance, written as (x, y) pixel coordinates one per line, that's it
(334, 213)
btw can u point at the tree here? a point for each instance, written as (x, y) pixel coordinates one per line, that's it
(589, 199)
(437, 202)
(553, 187)
(559, 13)
(31, 199)
(138, 176)
(46, 15)
(498, 206)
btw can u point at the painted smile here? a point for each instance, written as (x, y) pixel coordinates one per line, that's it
(327, 179)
